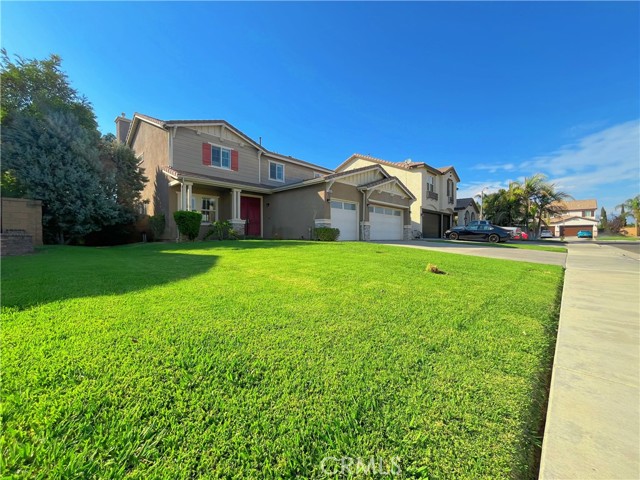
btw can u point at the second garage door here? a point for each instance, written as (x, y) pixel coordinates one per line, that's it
(386, 223)
(344, 216)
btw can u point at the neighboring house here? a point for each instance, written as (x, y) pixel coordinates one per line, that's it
(466, 211)
(576, 215)
(212, 167)
(434, 188)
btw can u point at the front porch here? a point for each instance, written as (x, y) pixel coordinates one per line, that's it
(243, 208)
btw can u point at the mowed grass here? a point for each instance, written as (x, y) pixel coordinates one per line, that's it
(258, 359)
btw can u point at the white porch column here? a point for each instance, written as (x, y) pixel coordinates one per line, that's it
(237, 223)
(188, 194)
(235, 204)
(183, 197)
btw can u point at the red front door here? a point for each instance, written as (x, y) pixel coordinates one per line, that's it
(250, 213)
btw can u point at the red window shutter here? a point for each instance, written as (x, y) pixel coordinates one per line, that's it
(234, 160)
(206, 154)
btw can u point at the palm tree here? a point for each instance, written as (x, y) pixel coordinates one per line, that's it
(549, 201)
(539, 199)
(631, 207)
(525, 192)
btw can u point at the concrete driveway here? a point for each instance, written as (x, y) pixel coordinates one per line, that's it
(485, 250)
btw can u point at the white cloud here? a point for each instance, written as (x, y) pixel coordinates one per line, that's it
(493, 168)
(617, 145)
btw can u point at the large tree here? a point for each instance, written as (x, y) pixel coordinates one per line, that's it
(539, 200)
(503, 208)
(56, 162)
(53, 151)
(604, 223)
(630, 207)
(122, 177)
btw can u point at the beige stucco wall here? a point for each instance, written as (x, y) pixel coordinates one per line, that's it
(152, 143)
(415, 180)
(461, 214)
(22, 214)
(292, 213)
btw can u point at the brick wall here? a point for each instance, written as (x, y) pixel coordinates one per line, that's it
(21, 214)
(15, 243)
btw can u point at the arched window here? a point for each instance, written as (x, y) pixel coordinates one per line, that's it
(449, 188)
(473, 216)
(466, 218)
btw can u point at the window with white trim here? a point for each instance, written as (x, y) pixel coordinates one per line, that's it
(220, 157)
(207, 206)
(276, 171)
(430, 183)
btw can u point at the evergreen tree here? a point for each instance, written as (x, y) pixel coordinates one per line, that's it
(603, 219)
(56, 162)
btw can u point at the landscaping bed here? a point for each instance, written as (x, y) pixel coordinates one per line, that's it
(258, 359)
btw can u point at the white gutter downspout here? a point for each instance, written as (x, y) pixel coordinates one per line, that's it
(172, 134)
(364, 205)
(259, 166)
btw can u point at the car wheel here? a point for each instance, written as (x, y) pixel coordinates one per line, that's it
(493, 238)
(453, 236)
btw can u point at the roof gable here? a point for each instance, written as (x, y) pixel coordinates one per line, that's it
(406, 165)
(220, 125)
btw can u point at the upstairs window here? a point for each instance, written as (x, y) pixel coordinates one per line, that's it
(430, 182)
(220, 157)
(276, 171)
(449, 188)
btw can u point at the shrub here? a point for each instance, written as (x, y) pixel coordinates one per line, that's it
(188, 223)
(326, 234)
(221, 230)
(157, 224)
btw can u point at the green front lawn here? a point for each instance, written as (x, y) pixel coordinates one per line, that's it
(258, 359)
(617, 237)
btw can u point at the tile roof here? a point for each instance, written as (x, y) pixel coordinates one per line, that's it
(569, 205)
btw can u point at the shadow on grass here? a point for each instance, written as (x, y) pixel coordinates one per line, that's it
(57, 273)
(60, 272)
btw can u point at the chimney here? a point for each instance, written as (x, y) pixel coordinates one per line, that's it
(122, 128)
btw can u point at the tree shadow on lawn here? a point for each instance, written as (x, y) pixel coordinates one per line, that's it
(62, 272)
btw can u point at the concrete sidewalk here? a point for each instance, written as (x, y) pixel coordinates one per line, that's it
(592, 429)
(483, 250)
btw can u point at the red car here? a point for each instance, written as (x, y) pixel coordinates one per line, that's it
(520, 235)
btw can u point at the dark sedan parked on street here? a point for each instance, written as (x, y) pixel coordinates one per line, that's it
(489, 233)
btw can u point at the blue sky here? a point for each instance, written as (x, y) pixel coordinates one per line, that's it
(499, 90)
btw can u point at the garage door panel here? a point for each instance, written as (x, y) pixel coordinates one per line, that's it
(430, 225)
(386, 223)
(344, 216)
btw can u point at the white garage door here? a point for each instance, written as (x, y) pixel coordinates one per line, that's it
(386, 223)
(344, 216)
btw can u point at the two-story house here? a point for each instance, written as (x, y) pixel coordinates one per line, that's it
(434, 188)
(212, 167)
(576, 215)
